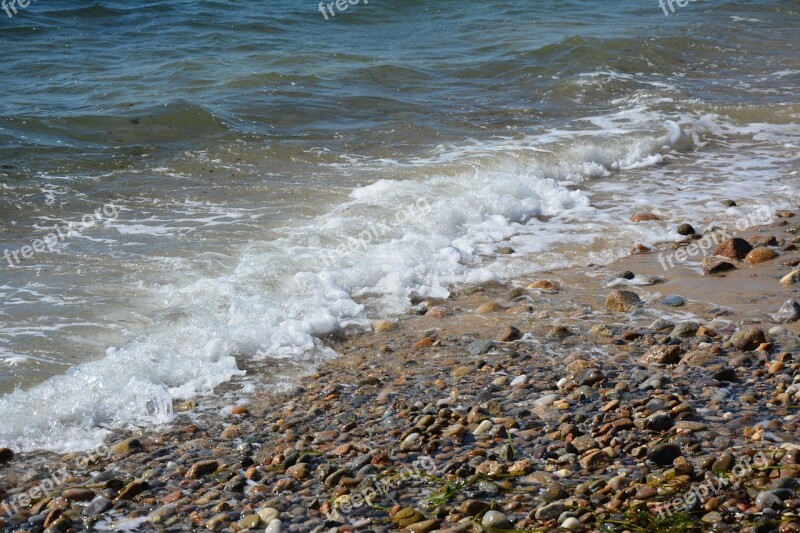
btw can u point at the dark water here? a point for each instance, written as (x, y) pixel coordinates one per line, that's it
(256, 158)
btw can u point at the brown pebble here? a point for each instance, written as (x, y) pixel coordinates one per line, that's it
(644, 217)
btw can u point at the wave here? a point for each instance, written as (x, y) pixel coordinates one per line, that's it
(392, 243)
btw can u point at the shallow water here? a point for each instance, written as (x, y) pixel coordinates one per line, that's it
(275, 176)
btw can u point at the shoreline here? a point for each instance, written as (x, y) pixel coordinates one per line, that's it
(509, 407)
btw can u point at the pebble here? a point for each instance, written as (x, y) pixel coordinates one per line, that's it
(571, 523)
(674, 301)
(508, 334)
(622, 301)
(789, 312)
(495, 520)
(768, 500)
(276, 526)
(479, 347)
(491, 307)
(644, 217)
(791, 278)
(761, 255)
(735, 248)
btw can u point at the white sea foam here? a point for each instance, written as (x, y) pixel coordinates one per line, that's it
(350, 264)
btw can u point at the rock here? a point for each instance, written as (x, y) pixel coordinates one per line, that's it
(299, 471)
(406, 517)
(748, 340)
(684, 329)
(382, 326)
(726, 374)
(734, 248)
(495, 520)
(674, 301)
(508, 333)
(664, 454)
(126, 447)
(768, 500)
(426, 526)
(588, 376)
(786, 483)
(661, 324)
(473, 507)
(724, 463)
(571, 523)
(659, 422)
(479, 347)
(424, 342)
(686, 229)
(505, 250)
(622, 301)
(784, 214)
(202, 468)
(78, 495)
(789, 312)
(728, 203)
(437, 312)
(551, 511)
(584, 443)
(545, 285)
(712, 266)
(491, 307)
(250, 521)
(594, 459)
(268, 514)
(6, 455)
(132, 489)
(791, 278)
(645, 493)
(97, 506)
(644, 217)
(640, 248)
(761, 255)
(662, 355)
(276, 526)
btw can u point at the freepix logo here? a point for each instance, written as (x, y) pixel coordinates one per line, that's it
(671, 3)
(10, 6)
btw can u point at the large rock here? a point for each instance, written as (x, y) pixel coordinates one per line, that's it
(622, 301)
(734, 248)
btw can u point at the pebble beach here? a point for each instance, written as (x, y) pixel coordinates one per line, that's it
(626, 397)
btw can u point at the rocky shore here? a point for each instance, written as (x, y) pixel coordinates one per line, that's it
(632, 397)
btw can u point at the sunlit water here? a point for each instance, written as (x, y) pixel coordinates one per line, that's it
(269, 176)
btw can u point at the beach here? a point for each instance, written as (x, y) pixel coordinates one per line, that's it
(623, 396)
(378, 266)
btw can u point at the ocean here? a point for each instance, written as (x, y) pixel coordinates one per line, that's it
(197, 193)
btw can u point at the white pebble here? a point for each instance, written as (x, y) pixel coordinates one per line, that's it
(562, 382)
(571, 523)
(482, 428)
(411, 439)
(276, 526)
(519, 380)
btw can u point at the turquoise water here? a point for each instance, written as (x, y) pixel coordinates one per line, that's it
(244, 146)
